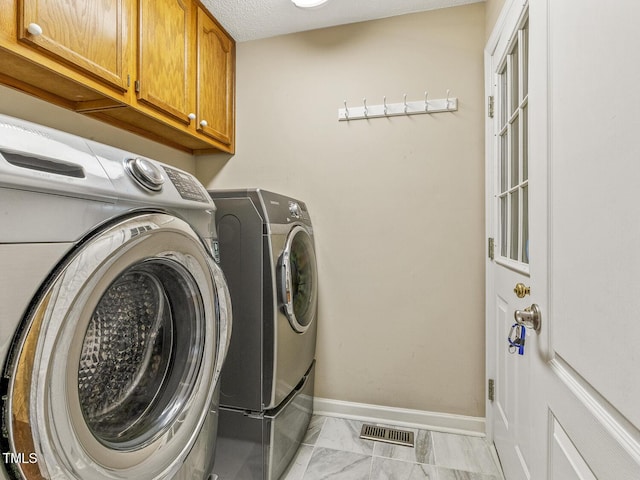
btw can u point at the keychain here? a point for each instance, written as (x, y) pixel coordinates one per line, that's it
(516, 338)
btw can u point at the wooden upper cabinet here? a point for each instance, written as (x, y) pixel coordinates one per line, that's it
(216, 80)
(87, 34)
(164, 54)
(164, 69)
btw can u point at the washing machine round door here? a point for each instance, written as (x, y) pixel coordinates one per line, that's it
(116, 369)
(299, 279)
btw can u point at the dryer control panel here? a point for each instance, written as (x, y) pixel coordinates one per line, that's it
(282, 210)
(295, 210)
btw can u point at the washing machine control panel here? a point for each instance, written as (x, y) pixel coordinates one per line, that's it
(187, 186)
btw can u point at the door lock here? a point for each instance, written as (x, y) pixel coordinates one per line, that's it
(522, 290)
(530, 317)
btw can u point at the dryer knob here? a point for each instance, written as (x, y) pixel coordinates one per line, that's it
(146, 173)
(294, 208)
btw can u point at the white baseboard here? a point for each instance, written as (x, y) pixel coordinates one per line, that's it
(401, 417)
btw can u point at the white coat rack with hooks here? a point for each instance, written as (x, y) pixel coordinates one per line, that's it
(415, 107)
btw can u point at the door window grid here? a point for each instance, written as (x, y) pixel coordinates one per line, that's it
(513, 159)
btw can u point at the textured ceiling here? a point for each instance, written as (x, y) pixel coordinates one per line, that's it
(254, 19)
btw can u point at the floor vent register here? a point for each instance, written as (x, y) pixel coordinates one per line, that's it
(388, 435)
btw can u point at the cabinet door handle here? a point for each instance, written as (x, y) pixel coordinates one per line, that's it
(34, 29)
(204, 123)
(191, 116)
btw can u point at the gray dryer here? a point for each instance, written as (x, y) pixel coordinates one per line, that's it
(267, 253)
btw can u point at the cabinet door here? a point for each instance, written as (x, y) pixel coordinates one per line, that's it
(165, 50)
(8, 24)
(216, 83)
(87, 34)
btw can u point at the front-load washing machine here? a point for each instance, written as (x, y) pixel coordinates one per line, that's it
(115, 317)
(268, 255)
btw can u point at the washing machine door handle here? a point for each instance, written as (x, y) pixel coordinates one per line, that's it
(285, 282)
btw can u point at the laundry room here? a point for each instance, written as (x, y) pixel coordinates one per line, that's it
(396, 203)
(367, 135)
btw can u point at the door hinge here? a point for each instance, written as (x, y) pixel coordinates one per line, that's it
(491, 248)
(137, 86)
(491, 389)
(128, 80)
(490, 106)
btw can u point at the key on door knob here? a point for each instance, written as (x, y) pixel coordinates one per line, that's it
(530, 317)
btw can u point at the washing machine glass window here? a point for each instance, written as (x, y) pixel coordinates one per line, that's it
(115, 372)
(130, 384)
(299, 279)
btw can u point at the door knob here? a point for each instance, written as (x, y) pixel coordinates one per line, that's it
(530, 317)
(522, 290)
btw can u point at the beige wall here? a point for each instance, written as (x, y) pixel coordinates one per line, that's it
(397, 203)
(24, 106)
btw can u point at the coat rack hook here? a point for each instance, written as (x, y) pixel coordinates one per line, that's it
(448, 98)
(426, 102)
(346, 110)
(366, 110)
(405, 103)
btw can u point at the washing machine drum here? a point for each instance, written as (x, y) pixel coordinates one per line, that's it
(299, 279)
(115, 372)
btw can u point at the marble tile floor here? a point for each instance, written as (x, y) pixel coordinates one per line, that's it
(333, 450)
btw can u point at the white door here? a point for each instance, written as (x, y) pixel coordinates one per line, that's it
(576, 397)
(508, 214)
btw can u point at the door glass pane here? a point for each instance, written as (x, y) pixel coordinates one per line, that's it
(525, 143)
(515, 152)
(525, 60)
(503, 226)
(502, 99)
(504, 156)
(525, 224)
(515, 225)
(513, 84)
